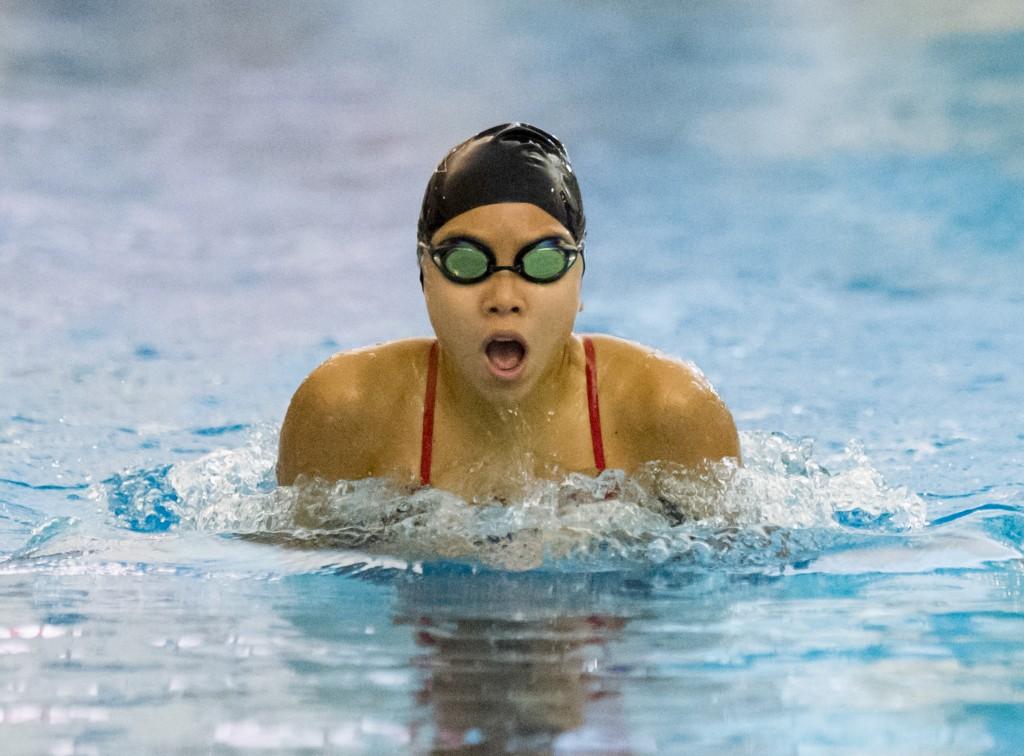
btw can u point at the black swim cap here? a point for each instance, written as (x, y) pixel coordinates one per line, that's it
(513, 162)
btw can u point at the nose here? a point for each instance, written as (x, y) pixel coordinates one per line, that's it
(503, 294)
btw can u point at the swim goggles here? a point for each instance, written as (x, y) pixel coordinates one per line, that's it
(465, 261)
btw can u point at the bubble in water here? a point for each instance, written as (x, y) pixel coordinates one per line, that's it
(782, 507)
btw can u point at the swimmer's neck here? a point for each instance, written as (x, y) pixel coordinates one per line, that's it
(498, 415)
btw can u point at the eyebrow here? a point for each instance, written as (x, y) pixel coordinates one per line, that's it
(485, 246)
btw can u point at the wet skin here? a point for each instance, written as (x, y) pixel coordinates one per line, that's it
(360, 413)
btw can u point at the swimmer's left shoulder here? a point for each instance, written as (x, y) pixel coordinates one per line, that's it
(649, 368)
(675, 411)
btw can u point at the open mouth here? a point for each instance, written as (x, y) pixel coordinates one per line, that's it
(505, 355)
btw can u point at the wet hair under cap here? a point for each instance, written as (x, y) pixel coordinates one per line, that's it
(513, 162)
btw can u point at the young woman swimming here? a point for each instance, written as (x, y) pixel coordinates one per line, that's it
(506, 393)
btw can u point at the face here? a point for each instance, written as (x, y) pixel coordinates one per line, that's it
(503, 333)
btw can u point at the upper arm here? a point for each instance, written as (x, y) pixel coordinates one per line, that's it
(687, 422)
(321, 435)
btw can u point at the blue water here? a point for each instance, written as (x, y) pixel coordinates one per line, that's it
(820, 204)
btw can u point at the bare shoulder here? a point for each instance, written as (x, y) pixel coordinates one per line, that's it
(674, 412)
(645, 367)
(344, 379)
(328, 430)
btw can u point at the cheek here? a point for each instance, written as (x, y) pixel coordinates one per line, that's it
(441, 304)
(448, 312)
(560, 310)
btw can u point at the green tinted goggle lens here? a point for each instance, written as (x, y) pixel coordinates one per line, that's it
(545, 263)
(464, 262)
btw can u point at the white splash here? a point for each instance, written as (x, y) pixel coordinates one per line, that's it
(781, 507)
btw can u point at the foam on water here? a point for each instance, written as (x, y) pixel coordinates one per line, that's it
(781, 509)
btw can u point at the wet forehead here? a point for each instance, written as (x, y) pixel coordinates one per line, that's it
(505, 226)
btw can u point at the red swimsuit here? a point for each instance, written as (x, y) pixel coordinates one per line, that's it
(431, 396)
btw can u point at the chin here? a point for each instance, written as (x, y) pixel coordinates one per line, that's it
(508, 389)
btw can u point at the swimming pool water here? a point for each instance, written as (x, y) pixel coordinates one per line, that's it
(820, 204)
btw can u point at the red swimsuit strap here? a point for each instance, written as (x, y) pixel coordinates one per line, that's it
(428, 416)
(592, 404)
(429, 400)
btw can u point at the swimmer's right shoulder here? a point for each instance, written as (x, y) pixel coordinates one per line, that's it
(331, 421)
(362, 375)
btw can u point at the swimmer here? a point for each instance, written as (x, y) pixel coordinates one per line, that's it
(506, 393)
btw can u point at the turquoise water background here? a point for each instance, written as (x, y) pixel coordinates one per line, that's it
(821, 204)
